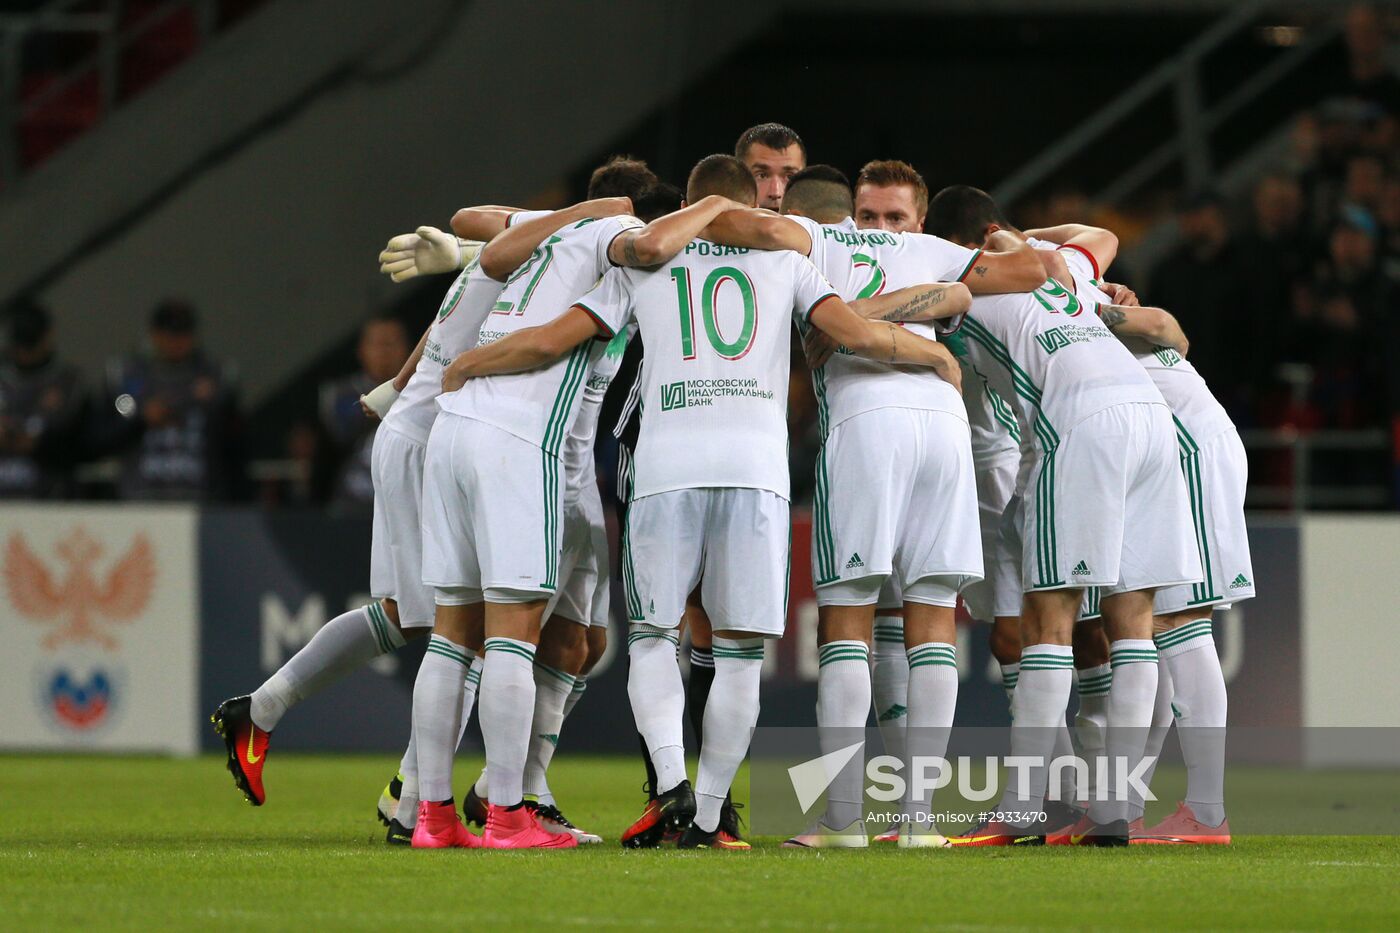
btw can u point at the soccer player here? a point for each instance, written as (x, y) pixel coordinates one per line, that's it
(402, 608)
(1213, 462)
(492, 522)
(717, 372)
(772, 153)
(891, 195)
(1104, 462)
(869, 410)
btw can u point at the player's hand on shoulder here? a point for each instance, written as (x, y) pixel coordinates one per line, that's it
(426, 251)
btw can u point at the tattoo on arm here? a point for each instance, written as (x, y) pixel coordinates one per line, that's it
(894, 353)
(1112, 316)
(980, 270)
(915, 306)
(629, 249)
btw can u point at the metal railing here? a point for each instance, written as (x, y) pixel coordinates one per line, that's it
(62, 16)
(1195, 121)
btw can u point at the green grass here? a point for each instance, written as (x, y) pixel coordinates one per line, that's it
(100, 843)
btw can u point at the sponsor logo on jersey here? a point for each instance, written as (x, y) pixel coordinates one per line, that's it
(1166, 356)
(854, 562)
(673, 396)
(1240, 581)
(1057, 338)
(1081, 569)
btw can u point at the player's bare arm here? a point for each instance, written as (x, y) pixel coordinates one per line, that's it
(483, 222)
(1100, 244)
(756, 228)
(526, 349)
(426, 251)
(883, 340)
(916, 303)
(1006, 264)
(1154, 324)
(504, 254)
(666, 236)
(1055, 267)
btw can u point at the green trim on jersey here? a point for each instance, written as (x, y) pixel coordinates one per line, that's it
(564, 399)
(1001, 411)
(1047, 558)
(807, 315)
(968, 268)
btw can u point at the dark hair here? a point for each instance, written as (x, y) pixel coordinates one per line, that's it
(657, 201)
(773, 135)
(721, 174)
(174, 316)
(885, 173)
(821, 192)
(29, 322)
(385, 317)
(962, 213)
(620, 176)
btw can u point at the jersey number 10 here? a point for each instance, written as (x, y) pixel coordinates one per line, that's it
(709, 298)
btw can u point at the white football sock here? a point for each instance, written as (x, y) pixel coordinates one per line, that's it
(730, 716)
(1091, 720)
(1037, 709)
(344, 644)
(890, 687)
(1201, 708)
(1130, 701)
(408, 796)
(1009, 675)
(469, 690)
(1156, 737)
(437, 707)
(933, 698)
(843, 704)
(507, 704)
(580, 685)
(657, 693)
(553, 688)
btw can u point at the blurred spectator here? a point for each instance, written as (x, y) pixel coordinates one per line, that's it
(1274, 254)
(41, 409)
(1340, 315)
(1201, 284)
(183, 404)
(382, 350)
(1368, 76)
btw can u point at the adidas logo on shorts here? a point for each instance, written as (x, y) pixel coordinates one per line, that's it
(854, 562)
(1239, 581)
(1081, 569)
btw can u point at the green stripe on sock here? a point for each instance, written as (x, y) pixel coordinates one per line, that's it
(556, 674)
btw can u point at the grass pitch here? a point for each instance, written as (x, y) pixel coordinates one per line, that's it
(100, 843)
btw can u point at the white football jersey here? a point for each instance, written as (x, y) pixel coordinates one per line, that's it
(714, 384)
(578, 448)
(458, 324)
(539, 406)
(1199, 415)
(990, 420)
(1048, 353)
(864, 263)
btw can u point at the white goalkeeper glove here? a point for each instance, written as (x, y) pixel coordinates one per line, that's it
(379, 400)
(426, 251)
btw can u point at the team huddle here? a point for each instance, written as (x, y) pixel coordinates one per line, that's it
(999, 425)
